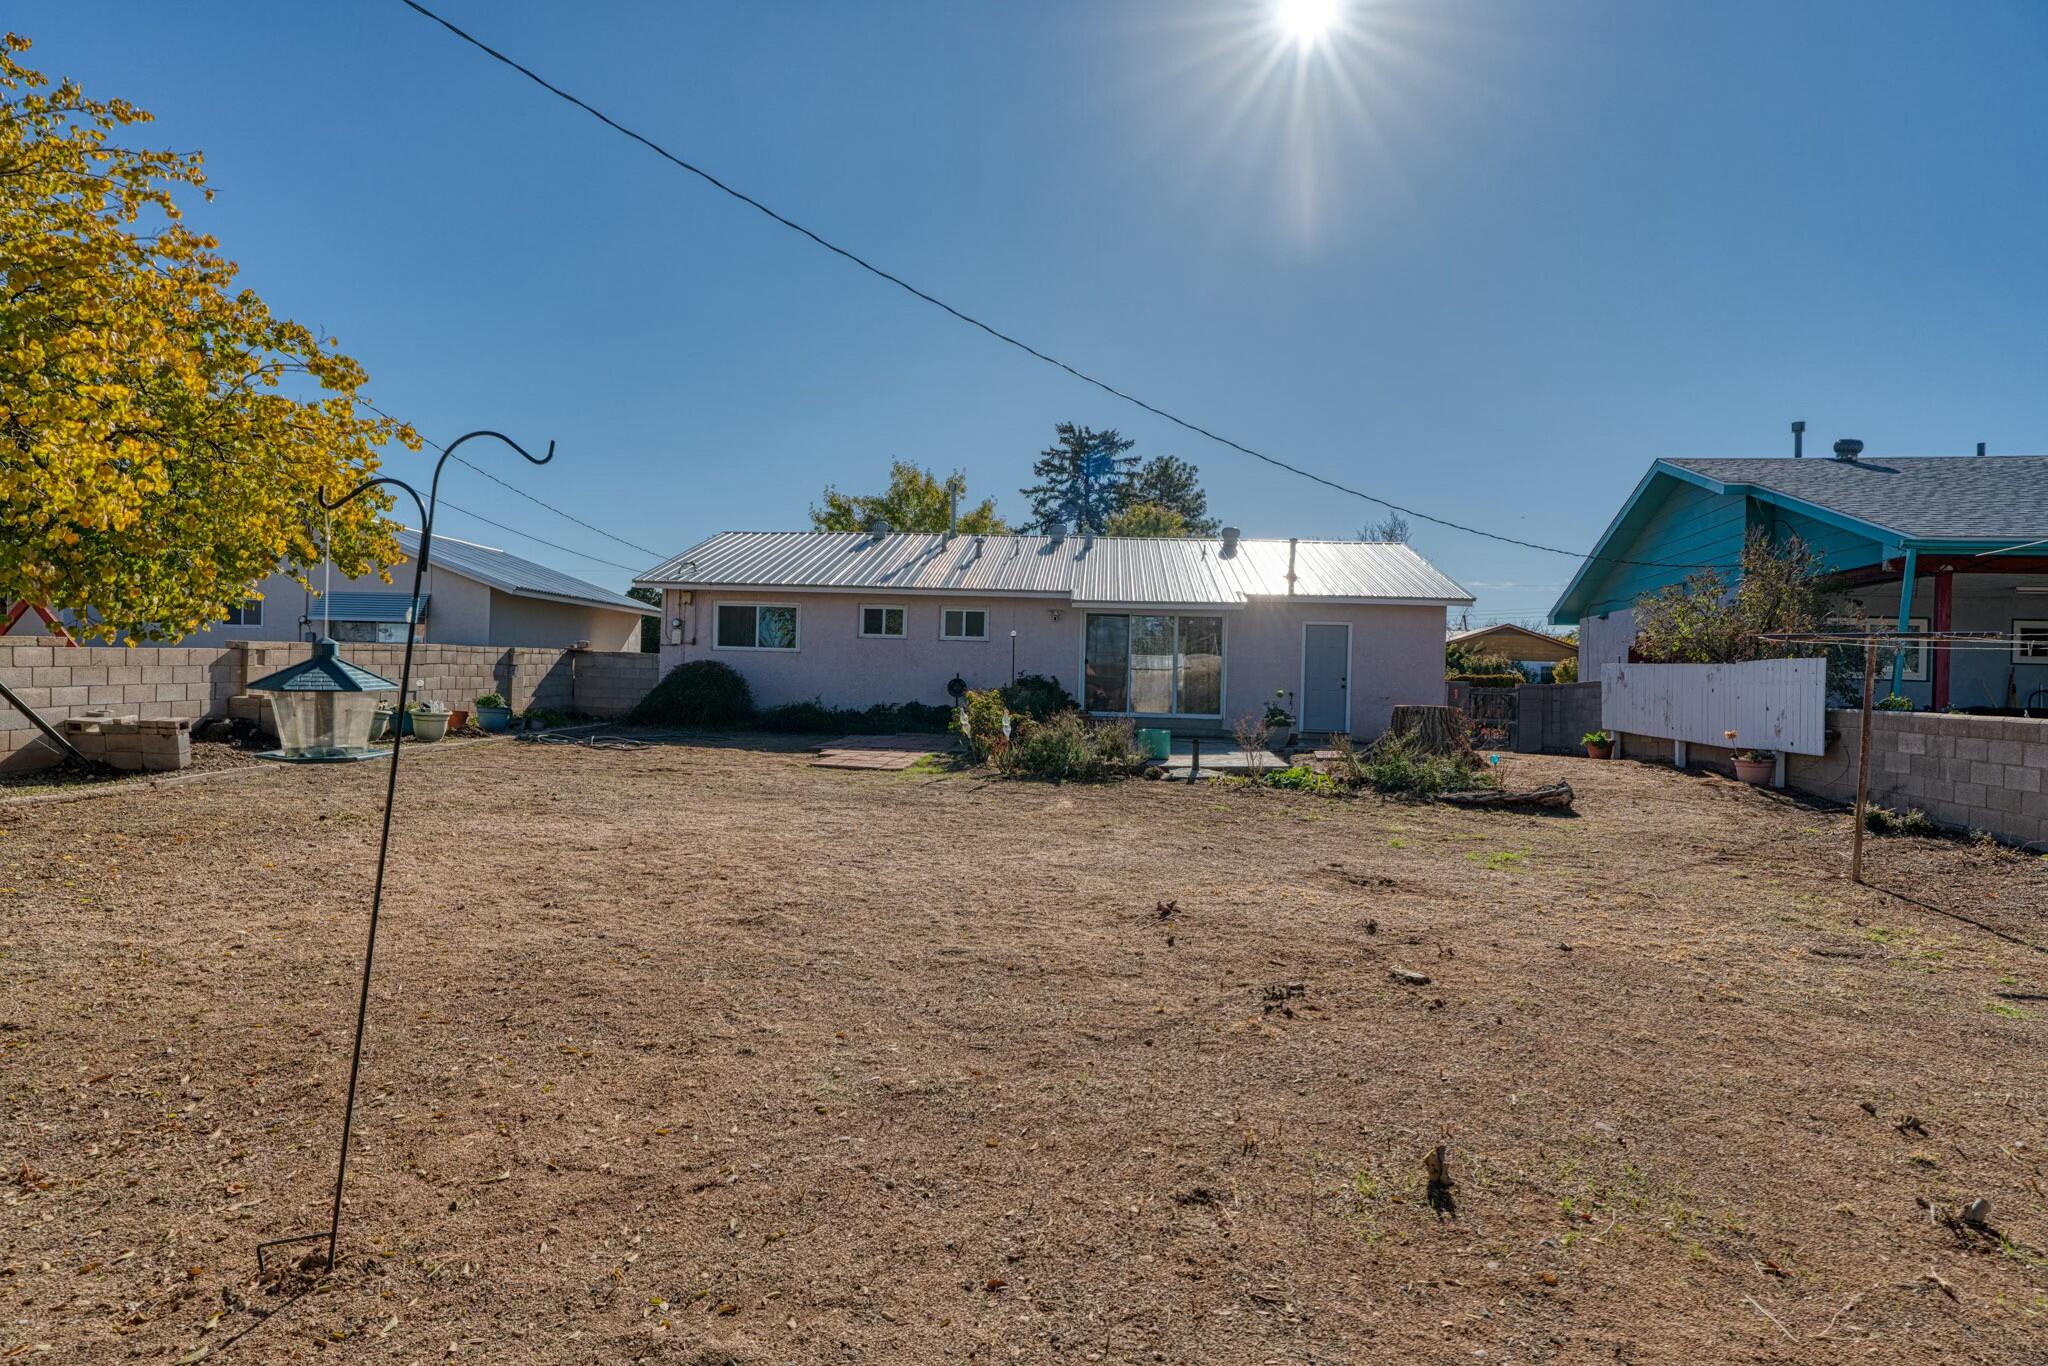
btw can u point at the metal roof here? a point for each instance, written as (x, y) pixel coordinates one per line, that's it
(366, 607)
(511, 574)
(1083, 569)
(1938, 497)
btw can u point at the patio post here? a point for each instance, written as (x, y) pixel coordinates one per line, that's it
(1944, 620)
(1905, 614)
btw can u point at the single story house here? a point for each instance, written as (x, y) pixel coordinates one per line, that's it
(473, 595)
(1947, 543)
(1190, 633)
(1534, 651)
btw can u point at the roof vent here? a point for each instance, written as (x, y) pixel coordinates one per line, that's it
(878, 527)
(1848, 448)
(1230, 535)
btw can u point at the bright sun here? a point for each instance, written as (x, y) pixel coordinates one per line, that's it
(1307, 22)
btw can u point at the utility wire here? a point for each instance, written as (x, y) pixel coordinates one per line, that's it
(594, 559)
(567, 516)
(1004, 337)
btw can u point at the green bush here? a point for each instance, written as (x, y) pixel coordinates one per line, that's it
(884, 718)
(1894, 702)
(1036, 696)
(1879, 821)
(1302, 778)
(1398, 766)
(1069, 748)
(702, 692)
(1567, 671)
(1503, 680)
(491, 699)
(982, 711)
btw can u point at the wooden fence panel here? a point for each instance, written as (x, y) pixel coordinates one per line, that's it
(1776, 704)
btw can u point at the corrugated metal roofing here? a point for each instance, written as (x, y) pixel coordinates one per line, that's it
(510, 573)
(366, 607)
(1086, 569)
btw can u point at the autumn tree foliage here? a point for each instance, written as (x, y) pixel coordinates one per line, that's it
(916, 500)
(163, 436)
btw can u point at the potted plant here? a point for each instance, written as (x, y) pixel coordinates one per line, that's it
(1279, 720)
(428, 720)
(1755, 766)
(492, 713)
(380, 728)
(1599, 744)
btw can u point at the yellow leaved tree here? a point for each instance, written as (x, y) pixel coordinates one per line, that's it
(163, 437)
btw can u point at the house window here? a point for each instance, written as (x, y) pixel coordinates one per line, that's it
(369, 632)
(250, 613)
(963, 623)
(756, 626)
(2030, 642)
(1147, 664)
(881, 621)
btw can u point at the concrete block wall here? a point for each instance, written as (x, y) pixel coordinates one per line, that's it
(158, 744)
(612, 684)
(59, 681)
(1551, 718)
(1971, 772)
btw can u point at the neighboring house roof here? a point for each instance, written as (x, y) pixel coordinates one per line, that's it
(1516, 642)
(1083, 569)
(367, 607)
(511, 574)
(1865, 510)
(1941, 497)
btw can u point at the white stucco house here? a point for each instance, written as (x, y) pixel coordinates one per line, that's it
(1189, 633)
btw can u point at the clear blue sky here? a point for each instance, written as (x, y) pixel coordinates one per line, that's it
(1487, 259)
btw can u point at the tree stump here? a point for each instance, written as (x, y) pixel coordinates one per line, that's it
(1438, 730)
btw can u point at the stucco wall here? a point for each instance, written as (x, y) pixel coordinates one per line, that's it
(517, 620)
(1396, 652)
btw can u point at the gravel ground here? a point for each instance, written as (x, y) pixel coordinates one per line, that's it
(696, 1054)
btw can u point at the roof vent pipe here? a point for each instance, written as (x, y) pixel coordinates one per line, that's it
(1980, 448)
(878, 527)
(1230, 535)
(952, 510)
(1848, 448)
(1798, 440)
(1293, 542)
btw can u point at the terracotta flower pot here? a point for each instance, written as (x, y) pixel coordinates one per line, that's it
(1605, 751)
(1755, 772)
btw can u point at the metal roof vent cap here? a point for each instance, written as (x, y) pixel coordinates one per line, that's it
(1230, 535)
(1848, 448)
(878, 526)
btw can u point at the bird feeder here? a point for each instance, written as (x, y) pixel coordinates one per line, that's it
(324, 708)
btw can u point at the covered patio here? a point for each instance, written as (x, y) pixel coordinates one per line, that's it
(1962, 589)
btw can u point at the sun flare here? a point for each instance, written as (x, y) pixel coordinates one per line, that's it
(1307, 22)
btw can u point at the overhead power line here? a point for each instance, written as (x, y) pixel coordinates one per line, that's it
(566, 516)
(538, 540)
(1004, 337)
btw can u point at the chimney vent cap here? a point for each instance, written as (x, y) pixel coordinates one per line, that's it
(1848, 448)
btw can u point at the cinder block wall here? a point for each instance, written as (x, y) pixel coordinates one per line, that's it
(1552, 718)
(1971, 772)
(163, 681)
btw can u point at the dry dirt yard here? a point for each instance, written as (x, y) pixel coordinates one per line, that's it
(696, 1054)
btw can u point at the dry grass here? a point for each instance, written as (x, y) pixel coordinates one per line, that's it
(694, 1054)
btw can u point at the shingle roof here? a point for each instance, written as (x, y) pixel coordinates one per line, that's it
(1947, 497)
(512, 574)
(1085, 569)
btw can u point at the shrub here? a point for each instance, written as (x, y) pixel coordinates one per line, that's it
(1036, 696)
(982, 713)
(884, 718)
(1069, 748)
(491, 699)
(1567, 671)
(1499, 680)
(1302, 778)
(1879, 821)
(702, 692)
(1400, 767)
(1894, 702)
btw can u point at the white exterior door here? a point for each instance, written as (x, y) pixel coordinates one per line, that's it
(1326, 677)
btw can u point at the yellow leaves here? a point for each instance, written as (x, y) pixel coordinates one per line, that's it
(163, 440)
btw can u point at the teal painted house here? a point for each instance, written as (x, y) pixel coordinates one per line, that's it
(1949, 543)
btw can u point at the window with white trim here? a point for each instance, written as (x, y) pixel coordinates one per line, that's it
(250, 613)
(2030, 642)
(881, 620)
(963, 623)
(756, 626)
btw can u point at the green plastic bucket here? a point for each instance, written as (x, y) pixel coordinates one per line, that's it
(1155, 744)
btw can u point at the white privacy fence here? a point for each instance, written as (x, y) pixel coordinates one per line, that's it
(1778, 704)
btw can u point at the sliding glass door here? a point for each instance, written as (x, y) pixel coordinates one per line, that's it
(1148, 664)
